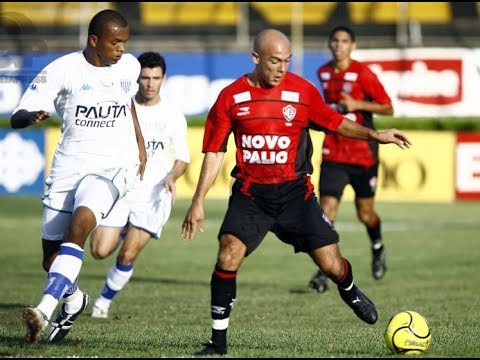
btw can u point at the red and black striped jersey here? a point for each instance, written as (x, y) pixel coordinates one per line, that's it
(270, 127)
(361, 83)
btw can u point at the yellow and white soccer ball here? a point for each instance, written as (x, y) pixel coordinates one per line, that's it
(408, 333)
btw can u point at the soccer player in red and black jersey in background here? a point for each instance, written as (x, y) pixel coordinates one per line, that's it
(270, 111)
(352, 89)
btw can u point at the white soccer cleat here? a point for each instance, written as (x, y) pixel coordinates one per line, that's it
(36, 322)
(99, 311)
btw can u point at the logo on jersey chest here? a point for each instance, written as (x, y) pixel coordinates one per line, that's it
(289, 113)
(126, 85)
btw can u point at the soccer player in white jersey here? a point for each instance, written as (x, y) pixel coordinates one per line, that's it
(146, 209)
(99, 157)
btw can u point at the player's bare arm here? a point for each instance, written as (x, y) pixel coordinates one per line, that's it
(23, 118)
(178, 169)
(142, 152)
(351, 129)
(212, 162)
(350, 104)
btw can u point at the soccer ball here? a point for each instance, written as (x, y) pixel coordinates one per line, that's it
(408, 333)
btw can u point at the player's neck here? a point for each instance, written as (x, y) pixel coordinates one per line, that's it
(141, 100)
(341, 65)
(92, 59)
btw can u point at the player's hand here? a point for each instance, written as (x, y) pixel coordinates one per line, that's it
(171, 188)
(394, 136)
(38, 116)
(193, 220)
(348, 103)
(142, 156)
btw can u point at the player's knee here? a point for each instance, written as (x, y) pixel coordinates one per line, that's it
(366, 217)
(99, 254)
(232, 252)
(127, 257)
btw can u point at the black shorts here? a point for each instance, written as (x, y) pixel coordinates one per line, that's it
(289, 210)
(334, 177)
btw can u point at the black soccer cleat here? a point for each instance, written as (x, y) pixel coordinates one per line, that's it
(211, 349)
(362, 306)
(319, 282)
(379, 266)
(64, 321)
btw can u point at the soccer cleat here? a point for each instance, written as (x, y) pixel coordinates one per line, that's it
(99, 311)
(36, 322)
(362, 306)
(211, 349)
(378, 263)
(319, 282)
(64, 321)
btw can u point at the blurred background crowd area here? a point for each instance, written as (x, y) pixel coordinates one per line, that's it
(180, 26)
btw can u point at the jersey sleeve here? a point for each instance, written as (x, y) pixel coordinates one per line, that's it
(135, 73)
(218, 126)
(44, 89)
(322, 117)
(373, 88)
(179, 140)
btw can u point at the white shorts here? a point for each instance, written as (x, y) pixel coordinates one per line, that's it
(99, 192)
(146, 210)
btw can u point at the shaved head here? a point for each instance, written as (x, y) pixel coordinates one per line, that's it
(271, 55)
(270, 39)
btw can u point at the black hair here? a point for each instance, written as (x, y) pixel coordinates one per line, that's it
(103, 19)
(347, 29)
(151, 60)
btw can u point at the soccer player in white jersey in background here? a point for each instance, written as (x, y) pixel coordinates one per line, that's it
(146, 209)
(99, 157)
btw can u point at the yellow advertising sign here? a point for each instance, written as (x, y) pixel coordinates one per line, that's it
(423, 173)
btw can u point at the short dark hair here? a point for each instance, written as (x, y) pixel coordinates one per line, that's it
(151, 60)
(347, 29)
(103, 19)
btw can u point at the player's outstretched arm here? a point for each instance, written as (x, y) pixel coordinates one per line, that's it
(351, 129)
(23, 118)
(212, 162)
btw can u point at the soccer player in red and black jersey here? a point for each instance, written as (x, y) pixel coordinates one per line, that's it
(269, 111)
(353, 90)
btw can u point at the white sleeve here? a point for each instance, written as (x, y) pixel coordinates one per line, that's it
(44, 89)
(179, 139)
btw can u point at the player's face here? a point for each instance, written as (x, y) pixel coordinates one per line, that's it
(111, 45)
(272, 64)
(149, 83)
(341, 45)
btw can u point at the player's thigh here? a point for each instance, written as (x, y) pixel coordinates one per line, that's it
(333, 179)
(364, 181)
(304, 225)
(55, 222)
(151, 211)
(246, 221)
(97, 194)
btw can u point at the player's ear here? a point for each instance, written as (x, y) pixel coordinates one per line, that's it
(255, 58)
(93, 40)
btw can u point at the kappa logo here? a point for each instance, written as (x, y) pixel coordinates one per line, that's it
(289, 113)
(85, 87)
(242, 111)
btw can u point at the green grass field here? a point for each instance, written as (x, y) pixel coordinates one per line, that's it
(433, 257)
